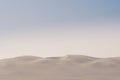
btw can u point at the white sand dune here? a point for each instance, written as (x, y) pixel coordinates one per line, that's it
(70, 67)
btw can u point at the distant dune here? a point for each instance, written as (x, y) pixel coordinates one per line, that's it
(70, 67)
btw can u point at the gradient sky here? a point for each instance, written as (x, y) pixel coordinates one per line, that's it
(59, 27)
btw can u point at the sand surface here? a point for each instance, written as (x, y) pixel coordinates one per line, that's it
(70, 67)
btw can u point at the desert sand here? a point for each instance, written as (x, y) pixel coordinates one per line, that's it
(70, 67)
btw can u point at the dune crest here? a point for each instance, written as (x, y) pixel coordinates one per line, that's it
(80, 58)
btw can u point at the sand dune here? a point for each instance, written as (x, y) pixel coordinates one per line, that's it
(70, 67)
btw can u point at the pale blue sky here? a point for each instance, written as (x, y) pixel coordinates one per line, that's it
(59, 27)
(27, 13)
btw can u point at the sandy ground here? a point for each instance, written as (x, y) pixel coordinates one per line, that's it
(70, 67)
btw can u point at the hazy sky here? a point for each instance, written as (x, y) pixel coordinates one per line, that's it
(59, 27)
